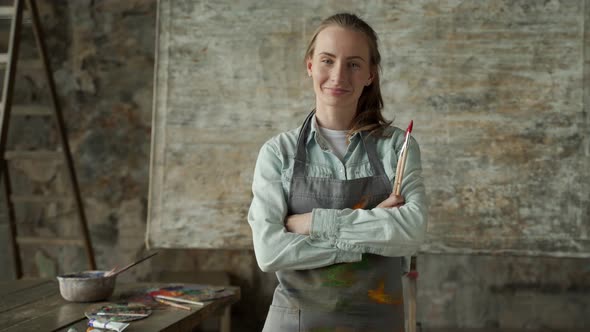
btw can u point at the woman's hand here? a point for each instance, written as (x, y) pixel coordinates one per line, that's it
(299, 223)
(392, 201)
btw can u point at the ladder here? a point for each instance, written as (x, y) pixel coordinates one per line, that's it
(9, 60)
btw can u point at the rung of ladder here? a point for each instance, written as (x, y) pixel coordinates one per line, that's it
(7, 12)
(29, 110)
(39, 199)
(31, 240)
(37, 154)
(30, 64)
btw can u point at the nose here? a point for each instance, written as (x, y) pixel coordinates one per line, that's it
(339, 72)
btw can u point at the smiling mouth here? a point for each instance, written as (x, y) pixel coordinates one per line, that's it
(336, 91)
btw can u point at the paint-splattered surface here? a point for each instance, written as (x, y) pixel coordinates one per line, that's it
(496, 90)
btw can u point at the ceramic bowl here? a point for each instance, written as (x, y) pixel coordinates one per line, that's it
(86, 286)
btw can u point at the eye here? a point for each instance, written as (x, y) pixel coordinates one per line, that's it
(327, 61)
(354, 65)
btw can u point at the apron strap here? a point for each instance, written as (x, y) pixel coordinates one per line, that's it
(301, 156)
(371, 148)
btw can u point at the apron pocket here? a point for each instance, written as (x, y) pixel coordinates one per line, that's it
(281, 319)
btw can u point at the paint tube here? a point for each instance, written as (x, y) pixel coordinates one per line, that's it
(107, 324)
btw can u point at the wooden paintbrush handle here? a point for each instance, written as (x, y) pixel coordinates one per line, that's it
(115, 272)
(399, 172)
(412, 305)
(412, 293)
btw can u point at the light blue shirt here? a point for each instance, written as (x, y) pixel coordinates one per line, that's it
(336, 236)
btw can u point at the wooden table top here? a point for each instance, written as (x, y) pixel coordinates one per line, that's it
(36, 305)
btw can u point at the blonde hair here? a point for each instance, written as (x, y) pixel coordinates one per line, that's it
(368, 113)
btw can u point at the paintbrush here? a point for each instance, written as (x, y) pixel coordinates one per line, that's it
(172, 304)
(401, 162)
(399, 172)
(114, 271)
(178, 299)
(413, 274)
(130, 314)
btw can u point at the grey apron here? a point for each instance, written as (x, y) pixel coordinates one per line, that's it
(362, 296)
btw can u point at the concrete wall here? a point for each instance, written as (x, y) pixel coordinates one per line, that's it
(103, 56)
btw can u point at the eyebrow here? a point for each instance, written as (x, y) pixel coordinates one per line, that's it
(348, 58)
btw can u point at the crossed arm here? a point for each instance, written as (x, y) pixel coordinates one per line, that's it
(396, 227)
(301, 223)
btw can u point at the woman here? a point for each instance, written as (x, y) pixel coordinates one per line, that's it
(323, 215)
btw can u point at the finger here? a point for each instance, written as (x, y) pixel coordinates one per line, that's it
(397, 199)
(391, 206)
(392, 201)
(387, 203)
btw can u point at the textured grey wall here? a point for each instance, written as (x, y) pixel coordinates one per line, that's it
(103, 57)
(495, 89)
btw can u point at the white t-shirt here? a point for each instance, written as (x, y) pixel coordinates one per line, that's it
(336, 139)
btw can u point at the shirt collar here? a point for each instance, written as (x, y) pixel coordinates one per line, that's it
(315, 133)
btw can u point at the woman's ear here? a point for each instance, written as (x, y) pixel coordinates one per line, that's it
(308, 66)
(371, 77)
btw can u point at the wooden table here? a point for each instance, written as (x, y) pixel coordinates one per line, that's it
(36, 305)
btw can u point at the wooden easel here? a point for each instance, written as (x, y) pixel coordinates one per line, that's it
(9, 60)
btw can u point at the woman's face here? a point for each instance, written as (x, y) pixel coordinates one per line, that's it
(340, 68)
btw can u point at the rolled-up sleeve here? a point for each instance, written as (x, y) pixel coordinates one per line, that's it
(276, 248)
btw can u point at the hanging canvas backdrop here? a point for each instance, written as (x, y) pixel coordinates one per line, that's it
(497, 91)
